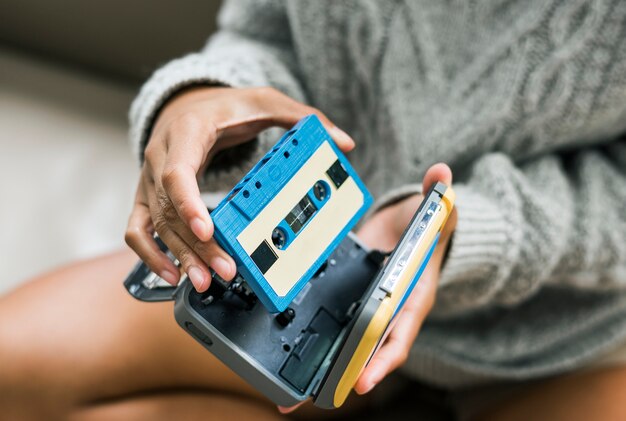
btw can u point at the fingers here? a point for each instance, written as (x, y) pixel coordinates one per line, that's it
(192, 253)
(212, 254)
(139, 238)
(180, 185)
(394, 351)
(289, 409)
(387, 359)
(397, 346)
(188, 143)
(188, 229)
(286, 111)
(273, 108)
(192, 264)
(438, 172)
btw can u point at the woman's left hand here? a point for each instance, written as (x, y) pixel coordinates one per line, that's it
(382, 231)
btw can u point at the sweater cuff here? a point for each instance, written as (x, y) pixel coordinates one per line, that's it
(479, 246)
(193, 69)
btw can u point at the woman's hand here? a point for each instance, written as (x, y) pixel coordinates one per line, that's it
(189, 131)
(383, 231)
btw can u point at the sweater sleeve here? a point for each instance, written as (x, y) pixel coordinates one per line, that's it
(559, 219)
(252, 47)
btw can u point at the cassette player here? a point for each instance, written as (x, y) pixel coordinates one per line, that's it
(282, 221)
(328, 329)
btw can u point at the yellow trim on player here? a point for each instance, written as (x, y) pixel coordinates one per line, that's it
(377, 326)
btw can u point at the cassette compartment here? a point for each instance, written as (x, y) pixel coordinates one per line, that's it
(298, 352)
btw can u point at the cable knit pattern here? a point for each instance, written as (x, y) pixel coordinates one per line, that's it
(525, 100)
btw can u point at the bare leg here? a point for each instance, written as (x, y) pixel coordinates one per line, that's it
(175, 406)
(587, 395)
(74, 344)
(74, 340)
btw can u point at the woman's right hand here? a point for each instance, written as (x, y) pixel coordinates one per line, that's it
(189, 131)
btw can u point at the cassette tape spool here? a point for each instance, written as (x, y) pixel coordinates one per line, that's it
(282, 221)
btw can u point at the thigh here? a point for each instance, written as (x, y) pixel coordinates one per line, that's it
(179, 406)
(76, 337)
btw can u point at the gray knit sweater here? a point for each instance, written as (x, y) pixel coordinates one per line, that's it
(525, 100)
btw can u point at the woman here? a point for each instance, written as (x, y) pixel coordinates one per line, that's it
(526, 104)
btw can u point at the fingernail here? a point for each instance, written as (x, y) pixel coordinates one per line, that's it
(370, 387)
(199, 228)
(376, 375)
(197, 277)
(341, 136)
(169, 277)
(222, 267)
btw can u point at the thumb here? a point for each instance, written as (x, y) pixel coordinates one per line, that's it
(437, 173)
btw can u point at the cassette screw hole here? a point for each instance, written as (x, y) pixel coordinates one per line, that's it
(295, 142)
(286, 154)
(286, 347)
(246, 194)
(279, 238)
(319, 190)
(257, 184)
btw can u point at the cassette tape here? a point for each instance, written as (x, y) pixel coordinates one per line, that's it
(284, 218)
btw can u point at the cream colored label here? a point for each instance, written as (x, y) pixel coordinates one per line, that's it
(323, 227)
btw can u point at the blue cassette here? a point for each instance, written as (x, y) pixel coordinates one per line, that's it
(286, 216)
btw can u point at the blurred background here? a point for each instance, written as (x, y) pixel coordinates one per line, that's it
(68, 73)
